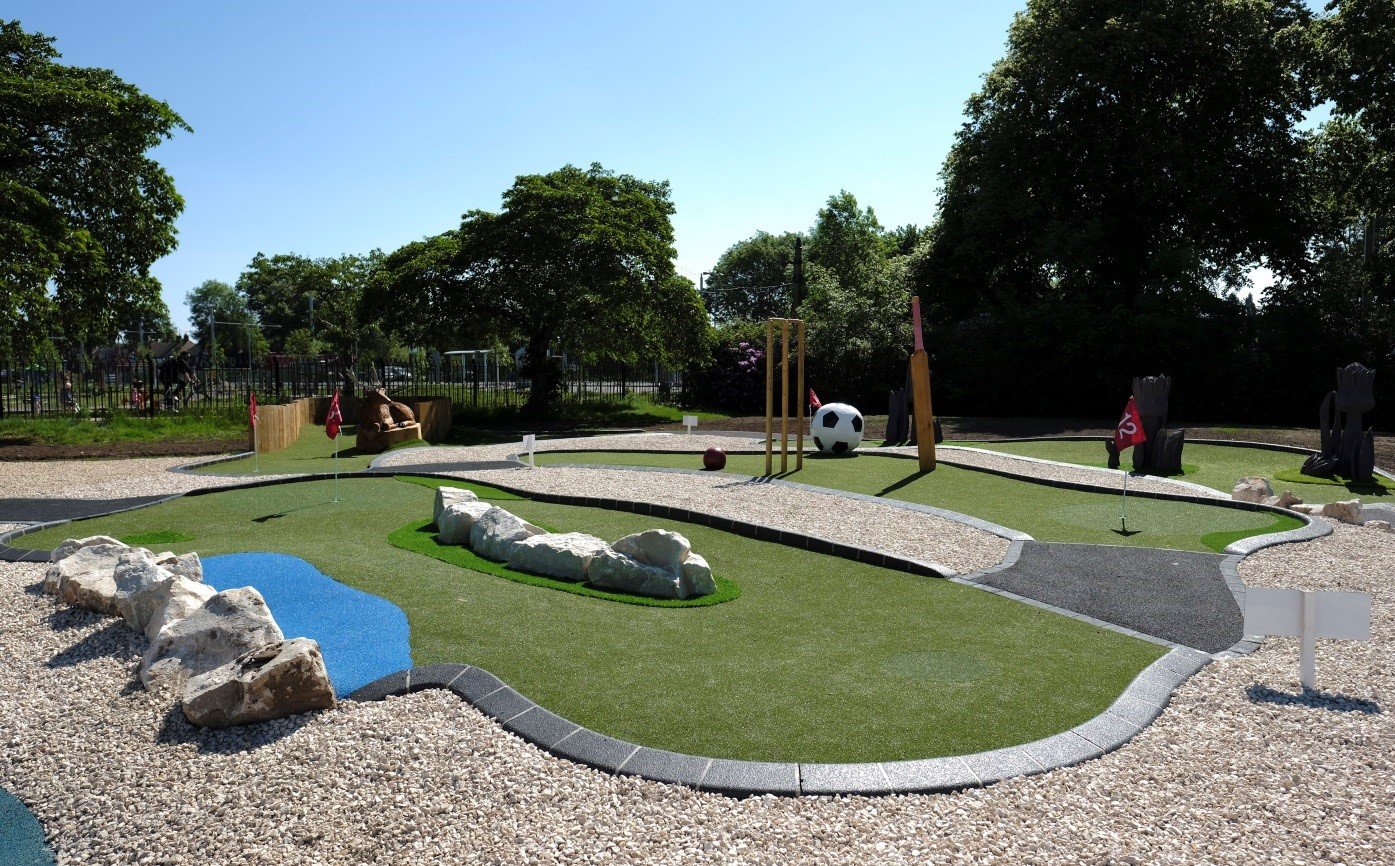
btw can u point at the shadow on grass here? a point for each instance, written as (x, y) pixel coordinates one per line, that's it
(1318, 700)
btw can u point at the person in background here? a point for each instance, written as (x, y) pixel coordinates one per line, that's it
(69, 404)
(138, 395)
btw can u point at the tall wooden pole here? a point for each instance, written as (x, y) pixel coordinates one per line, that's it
(784, 396)
(920, 395)
(769, 392)
(802, 396)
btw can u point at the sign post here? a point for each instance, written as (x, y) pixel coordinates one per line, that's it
(530, 441)
(1308, 615)
(690, 421)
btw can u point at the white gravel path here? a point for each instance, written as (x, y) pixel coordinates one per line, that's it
(1220, 778)
(104, 479)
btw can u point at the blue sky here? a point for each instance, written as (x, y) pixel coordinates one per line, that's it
(326, 128)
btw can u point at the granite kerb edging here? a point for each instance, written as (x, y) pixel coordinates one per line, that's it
(1142, 701)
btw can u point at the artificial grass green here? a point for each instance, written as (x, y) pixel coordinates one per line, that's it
(312, 452)
(1217, 466)
(158, 538)
(1044, 512)
(483, 491)
(1379, 486)
(419, 536)
(805, 666)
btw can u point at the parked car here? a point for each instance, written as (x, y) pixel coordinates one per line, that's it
(396, 374)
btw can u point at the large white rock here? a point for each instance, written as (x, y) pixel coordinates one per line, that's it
(137, 597)
(494, 534)
(226, 626)
(175, 600)
(562, 555)
(610, 569)
(448, 496)
(655, 547)
(453, 525)
(1252, 488)
(87, 577)
(1347, 511)
(1283, 500)
(73, 545)
(270, 682)
(188, 564)
(697, 577)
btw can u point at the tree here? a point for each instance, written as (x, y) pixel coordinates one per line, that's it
(581, 259)
(300, 343)
(223, 322)
(423, 294)
(848, 242)
(753, 280)
(1125, 149)
(279, 290)
(83, 209)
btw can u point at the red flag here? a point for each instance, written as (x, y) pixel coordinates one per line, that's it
(814, 399)
(1130, 430)
(334, 418)
(252, 410)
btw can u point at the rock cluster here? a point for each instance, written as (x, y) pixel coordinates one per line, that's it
(223, 649)
(1347, 511)
(655, 562)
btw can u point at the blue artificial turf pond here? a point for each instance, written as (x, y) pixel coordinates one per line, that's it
(21, 837)
(363, 637)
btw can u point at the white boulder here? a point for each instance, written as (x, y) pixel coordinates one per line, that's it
(1283, 500)
(448, 496)
(174, 600)
(270, 682)
(563, 555)
(1347, 511)
(138, 596)
(73, 545)
(87, 577)
(697, 577)
(495, 533)
(610, 569)
(1252, 488)
(224, 627)
(188, 565)
(453, 525)
(655, 547)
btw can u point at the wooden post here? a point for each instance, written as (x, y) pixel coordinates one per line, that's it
(784, 396)
(799, 408)
(769, 392)
(920, 395)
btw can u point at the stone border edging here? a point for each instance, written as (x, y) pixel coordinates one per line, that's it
(1136, 707)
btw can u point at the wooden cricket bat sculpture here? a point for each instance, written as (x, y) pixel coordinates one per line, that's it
(920, 395)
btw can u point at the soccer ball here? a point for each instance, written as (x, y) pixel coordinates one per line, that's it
(837, 428)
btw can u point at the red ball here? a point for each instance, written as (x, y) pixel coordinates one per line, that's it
(714, 459)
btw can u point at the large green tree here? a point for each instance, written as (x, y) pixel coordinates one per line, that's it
(753, 280)
(1122, 149)
(223, 322)
(582, 260)
(424, 294)
(84, 210)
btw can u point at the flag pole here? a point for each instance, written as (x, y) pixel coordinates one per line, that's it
(336, 466)
(1124, 507)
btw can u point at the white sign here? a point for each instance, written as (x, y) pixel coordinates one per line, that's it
(690, 421)
(1308, 615)
(530, 442)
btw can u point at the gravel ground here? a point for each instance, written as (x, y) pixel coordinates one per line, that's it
(103, 479)
(1237, 770)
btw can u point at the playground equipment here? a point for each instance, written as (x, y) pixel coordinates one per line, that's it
(785, 326)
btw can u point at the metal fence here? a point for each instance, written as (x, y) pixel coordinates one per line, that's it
(29, 388)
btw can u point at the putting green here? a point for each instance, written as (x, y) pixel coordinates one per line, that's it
(1046, 513)
(820, 659)
(1214, 466)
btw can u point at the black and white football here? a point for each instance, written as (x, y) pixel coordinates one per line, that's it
(837, 428)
